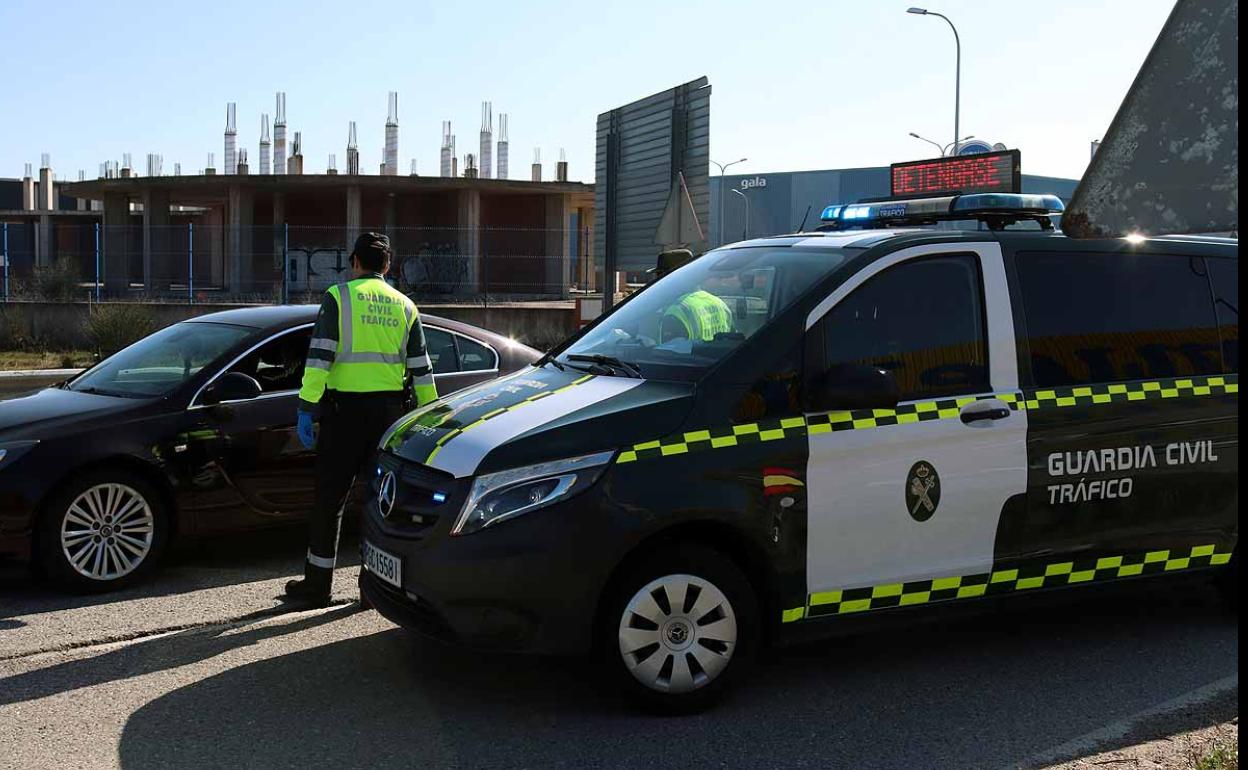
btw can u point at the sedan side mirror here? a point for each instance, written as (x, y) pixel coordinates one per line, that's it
(855, 386)
(232, 386)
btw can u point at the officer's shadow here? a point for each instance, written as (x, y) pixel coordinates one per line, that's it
(161, 653)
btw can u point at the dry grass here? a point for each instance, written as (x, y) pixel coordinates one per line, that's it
(21, 359)
(1221, 752)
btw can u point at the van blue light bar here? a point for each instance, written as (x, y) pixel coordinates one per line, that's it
(830, 213)
(1040, 204)
(994, 208)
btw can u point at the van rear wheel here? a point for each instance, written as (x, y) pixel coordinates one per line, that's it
(681, 629)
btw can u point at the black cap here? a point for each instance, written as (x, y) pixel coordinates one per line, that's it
(373, 251)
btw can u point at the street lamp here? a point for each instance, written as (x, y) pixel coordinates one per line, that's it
(957, 83)
(944, 148)
(745, 229)
(723, 167)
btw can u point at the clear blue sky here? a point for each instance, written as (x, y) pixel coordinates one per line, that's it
(796, 85)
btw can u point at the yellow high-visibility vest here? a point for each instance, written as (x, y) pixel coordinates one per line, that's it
(373, 352)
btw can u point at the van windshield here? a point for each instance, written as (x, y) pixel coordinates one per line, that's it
(689, 320)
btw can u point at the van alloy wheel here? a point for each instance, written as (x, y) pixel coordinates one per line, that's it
(107, 531)
(677, 634)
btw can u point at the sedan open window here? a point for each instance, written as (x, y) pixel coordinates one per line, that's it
(278, 363)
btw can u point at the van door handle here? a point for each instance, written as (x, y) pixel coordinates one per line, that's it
(987, 409)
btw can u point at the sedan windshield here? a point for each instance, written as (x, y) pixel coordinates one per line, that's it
(159, 363)
(682, 325)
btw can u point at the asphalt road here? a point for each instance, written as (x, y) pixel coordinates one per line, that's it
(203, 668)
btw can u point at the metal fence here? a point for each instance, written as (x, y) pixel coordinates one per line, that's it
(203, 262)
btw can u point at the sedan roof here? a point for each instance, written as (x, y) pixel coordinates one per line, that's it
(280, 316)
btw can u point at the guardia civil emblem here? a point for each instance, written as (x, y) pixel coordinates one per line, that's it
(922, 491)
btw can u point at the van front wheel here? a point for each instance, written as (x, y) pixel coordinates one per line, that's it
(681, 630)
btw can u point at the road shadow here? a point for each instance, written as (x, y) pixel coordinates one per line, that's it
(970, 693)
(159, 653)
(196, 565)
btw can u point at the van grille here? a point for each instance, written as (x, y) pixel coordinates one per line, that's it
(416, 508)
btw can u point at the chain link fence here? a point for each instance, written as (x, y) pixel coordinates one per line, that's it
(199, 262)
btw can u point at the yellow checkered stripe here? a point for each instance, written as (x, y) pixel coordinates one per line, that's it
(1006, 580)
(799, 426)
(1126, 392)
(922, 411)
(446, 437)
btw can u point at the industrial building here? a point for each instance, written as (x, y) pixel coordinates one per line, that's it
(272, 230)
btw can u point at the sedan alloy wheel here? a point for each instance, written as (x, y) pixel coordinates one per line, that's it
(107, 532)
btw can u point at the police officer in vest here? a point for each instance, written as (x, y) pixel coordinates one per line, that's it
(367, 343)
(698, 315)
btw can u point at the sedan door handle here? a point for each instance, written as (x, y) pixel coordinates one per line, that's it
(987, 409)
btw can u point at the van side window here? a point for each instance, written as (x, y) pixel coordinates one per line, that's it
(1108, 317)
(1224, 274)
(921, 320)
(778, 393)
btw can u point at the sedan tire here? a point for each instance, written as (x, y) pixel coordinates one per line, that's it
(102, 531)
(681, 629)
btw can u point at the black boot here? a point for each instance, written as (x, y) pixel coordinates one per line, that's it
(313, 590)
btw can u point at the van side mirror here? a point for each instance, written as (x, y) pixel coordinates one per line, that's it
(232, 386)
(854, 386)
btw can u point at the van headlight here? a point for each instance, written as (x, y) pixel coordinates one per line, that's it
(507, 494)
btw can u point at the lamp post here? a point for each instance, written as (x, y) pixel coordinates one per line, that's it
(957, 83)
(720, 227)
(745, 229)
(944, 148)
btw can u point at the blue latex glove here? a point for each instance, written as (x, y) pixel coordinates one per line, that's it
(306, 430)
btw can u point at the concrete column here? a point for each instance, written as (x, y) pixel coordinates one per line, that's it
(114, 252)
(392, 217)
(397, 241)
(355, 212)
(241, 218)
(469, 239)
(279, 228)
(43, 241)
(47, 190)
(28, 194)
(558, 245)
(157, 256)
(212, 244)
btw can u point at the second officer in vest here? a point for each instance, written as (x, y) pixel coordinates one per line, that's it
(366, 345)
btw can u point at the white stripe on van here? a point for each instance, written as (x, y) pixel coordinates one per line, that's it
(461, 455)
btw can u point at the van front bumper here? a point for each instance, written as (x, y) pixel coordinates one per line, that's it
(527, 585)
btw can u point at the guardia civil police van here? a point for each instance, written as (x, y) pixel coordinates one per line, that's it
(879, 419)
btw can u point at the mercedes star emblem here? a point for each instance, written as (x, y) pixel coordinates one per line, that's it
(385, 494)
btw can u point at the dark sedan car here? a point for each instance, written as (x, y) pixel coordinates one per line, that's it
(188, 432)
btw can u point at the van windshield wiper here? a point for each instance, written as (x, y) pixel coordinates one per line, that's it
(548, 359)
(627, 367)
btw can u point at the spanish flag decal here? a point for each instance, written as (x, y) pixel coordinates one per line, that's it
(779, 481)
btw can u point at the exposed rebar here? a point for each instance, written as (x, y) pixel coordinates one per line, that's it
(279, 134)
(487, 140)
(231, 139)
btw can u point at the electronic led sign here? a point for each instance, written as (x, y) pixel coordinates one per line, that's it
(959, 174)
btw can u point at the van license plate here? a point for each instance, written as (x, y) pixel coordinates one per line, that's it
(384, 565)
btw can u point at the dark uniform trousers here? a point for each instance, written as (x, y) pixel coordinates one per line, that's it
(351, 425)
